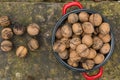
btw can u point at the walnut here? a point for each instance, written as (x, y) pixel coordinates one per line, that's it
(83, 16)
(18, 29)
(33, 44)
(33, 29)
(104, 28)
(95, 19)
(21, 51)
(64, 54)
(74, 56)
(105, 48)
(92, 54)
(88, 27)
(6, 33)
(58, 34)
(66, 41)
(99, 58)
(87, 39)
(105, 38)
(6, 45)
(72, 18)
(74, 42)
(97, 43)
(59, 46)
(77, 28)
(66, 31)
(71, 63)
(89, 64)
(4, 21)
(82, 50)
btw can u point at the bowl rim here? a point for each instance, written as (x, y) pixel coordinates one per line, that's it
(62, 61)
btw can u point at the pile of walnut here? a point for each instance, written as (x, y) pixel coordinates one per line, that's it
(83, 40)
(18, 29)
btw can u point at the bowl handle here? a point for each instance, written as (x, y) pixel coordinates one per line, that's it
(93, 77)
(70, 4)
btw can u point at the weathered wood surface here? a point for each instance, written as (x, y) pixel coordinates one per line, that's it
(41, 64)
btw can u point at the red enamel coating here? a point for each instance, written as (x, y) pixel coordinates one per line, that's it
(70, 4)
(93, 77)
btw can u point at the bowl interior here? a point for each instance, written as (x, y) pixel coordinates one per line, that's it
(61, 21)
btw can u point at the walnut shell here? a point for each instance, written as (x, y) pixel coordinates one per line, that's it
(6, 33)
(104, 28)
(71, 63)
(33, 29)
(83, 16)
(87, 39)
(88, 27)
(82, 50)
(95, 19)
(77, 28)
(6, 45)
(99, 58)
(74, 56)
(89, 64)
(4, 21)
(85, 53)
(74, 42)
(105, 48)
(59, 46)
(58, 34)
(64, 54)
(21, 51)
(72, 18)
(66, 31)
(66, 41)
(33, 44)
(18, 29)
(92, 54)
(105, 38)
(97, 43)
